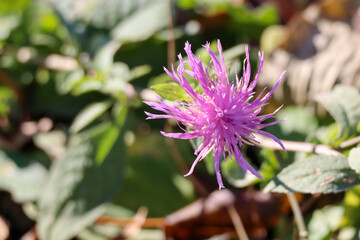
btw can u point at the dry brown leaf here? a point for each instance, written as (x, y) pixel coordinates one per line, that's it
(318, 52)
(209, 216)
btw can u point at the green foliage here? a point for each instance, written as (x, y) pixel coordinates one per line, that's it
(343, 105)
(154, 14)
(351, 205)
(79, 187)
(270, 166)
(6, 98)
(22, 175)
(315, 174)
(354, 159)
(89, 114)
(324, 222)
(171, 92)
(298, 122)
(153, 179)
(235, 175)
(10, 22)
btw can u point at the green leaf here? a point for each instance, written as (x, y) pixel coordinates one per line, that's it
(8, 23)
(299, 120)
(104, 57)
(329, 135)
(315, 174)
(102, 231)
(79, 188)
(143, 22)
(354, 159)
(106, 143)
(150, 174)
(343, 105)
(270, 164)
(88, 115)
(171, 92)
(21, 176)
(324, 221)
(272, 37)
(235, 175)
(6, 98)
(107, 14)
(351, 205)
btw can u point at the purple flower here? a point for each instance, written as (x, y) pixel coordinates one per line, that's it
(221, 112)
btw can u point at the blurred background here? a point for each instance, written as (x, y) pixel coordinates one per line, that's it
(79, 161)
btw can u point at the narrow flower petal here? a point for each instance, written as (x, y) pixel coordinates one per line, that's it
(217, 156)
(181, 135)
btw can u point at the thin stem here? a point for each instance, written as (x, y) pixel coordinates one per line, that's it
(122, 222)
(298, 215)
(296, 146)
(171, 42)
(239, 227)
(131, 230)
(349, 143)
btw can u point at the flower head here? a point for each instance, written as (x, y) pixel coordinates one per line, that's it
(224, 113)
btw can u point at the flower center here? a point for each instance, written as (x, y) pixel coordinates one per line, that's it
(219, 112)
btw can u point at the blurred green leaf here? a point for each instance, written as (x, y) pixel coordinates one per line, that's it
(347, 233)
(272, 37)
(233, 52)
(142, 23)
(329, 135)
(152, 173)
(106, 143)
(8, 23)
(13, 6)
(6, 97)
(354, 159)
(21, 176)
(351, 205)
(298, 120)
(99, 232)
(140, 71)
(343, 104)
(105, 232)
(171, 92)
(270, 165)
(263, 15)
(160, 79)
(88, 115)
(315, 174)
(52, 143)
(235, 175)
(252, 22)
(107, 14)
(150, 234)
(324, 222)
(80, 188)
(104, 57)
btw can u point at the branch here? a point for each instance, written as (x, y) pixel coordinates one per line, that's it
(296, 146)
(349, 143)
(239, 227)
(122, 222)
